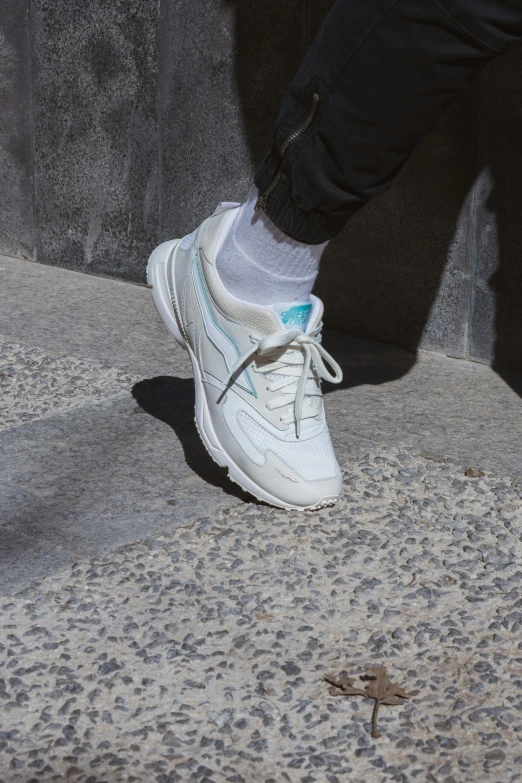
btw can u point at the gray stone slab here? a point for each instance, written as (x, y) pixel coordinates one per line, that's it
(400, 271)
(96, 134)
(86, 317)
(16, 160)
(224, 67)
(202, 655)
(496, 318)
(104, 473)
(107, 474)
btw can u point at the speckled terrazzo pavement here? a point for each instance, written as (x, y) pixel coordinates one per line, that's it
(200, 656)
(34, 384)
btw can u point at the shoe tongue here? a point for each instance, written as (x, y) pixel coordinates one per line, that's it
(293, 314)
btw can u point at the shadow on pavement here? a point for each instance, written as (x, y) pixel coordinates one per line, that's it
(366, 362)
(171, 400)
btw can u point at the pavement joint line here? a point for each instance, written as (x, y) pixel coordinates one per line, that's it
(37, 384)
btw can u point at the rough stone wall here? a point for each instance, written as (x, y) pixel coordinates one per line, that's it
(16, 160)
(124, 123)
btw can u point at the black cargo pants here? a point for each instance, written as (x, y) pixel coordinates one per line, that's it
(375, 80)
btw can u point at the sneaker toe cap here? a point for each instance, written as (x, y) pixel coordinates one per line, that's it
(285, 485)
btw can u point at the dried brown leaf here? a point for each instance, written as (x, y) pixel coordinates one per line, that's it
(393, 700)
(379, 687)
(474, 473)
(343, 686)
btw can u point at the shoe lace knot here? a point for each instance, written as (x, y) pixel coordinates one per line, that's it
(304, 359)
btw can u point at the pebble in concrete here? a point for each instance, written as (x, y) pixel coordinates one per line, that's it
(200, 656)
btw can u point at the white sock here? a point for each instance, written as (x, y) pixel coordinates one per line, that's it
(261, 265)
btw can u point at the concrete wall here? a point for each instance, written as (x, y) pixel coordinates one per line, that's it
(17, 223)
(123, 123)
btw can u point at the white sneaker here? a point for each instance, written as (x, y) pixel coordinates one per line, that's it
(257, 371)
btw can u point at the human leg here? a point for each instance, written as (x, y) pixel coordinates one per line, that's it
(352, 116)
(375, 80)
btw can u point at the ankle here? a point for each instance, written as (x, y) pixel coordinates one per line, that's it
(261, 264)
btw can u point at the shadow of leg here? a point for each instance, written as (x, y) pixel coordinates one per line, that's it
(382, 277)
(171, 400)
(365, 362)
(399, 272)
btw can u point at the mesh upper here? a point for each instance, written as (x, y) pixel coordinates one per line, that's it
(313, 459)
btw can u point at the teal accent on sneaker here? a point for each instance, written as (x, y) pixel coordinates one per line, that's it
(206, 295)
(296, 315)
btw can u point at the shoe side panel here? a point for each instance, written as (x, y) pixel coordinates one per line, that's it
(265, 469)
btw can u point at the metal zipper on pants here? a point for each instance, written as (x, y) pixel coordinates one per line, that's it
(294, 136)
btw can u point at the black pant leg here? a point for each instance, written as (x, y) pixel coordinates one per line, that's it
(375, 80)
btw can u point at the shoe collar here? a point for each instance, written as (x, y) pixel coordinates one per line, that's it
(265, 319)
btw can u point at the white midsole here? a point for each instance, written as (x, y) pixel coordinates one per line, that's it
(157, 277)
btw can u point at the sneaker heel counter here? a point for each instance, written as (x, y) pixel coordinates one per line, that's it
(224, 206)
(213, 232)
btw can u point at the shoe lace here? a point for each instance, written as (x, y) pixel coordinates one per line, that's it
(302, 361)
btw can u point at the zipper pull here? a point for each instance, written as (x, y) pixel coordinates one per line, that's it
(260, 203)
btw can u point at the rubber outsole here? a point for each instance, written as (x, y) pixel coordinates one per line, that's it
(157, 278)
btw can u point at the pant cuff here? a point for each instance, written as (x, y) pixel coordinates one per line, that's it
(313, 227)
